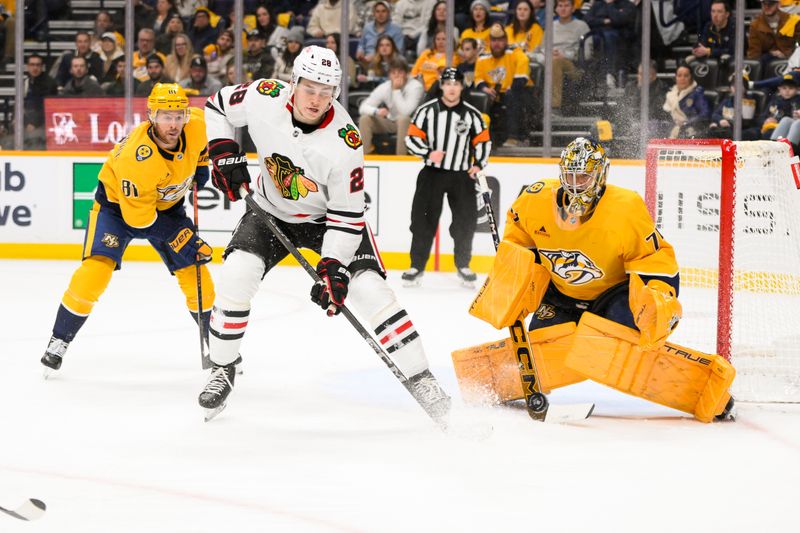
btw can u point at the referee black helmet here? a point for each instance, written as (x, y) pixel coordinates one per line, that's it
(451, 73)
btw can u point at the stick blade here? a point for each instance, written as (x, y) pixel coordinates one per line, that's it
(32, 509)
(558, 414)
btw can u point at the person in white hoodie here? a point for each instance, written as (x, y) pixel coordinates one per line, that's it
(326, 18)
(389, 106)
(412, 16)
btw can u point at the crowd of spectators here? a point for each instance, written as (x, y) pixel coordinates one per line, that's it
(398, 49)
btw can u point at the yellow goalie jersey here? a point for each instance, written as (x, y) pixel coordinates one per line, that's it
(143, 178)
(587, 259)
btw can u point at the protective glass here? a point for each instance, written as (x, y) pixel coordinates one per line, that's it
(170, 117)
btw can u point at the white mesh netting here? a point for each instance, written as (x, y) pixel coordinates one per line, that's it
(765, 320)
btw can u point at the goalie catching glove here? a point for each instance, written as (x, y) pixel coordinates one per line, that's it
(330, 292)
(229, 167)
(656, 311)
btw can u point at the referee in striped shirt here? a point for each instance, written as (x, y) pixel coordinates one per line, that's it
(450, 136)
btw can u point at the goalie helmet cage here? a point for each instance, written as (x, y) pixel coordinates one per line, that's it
(732, 212)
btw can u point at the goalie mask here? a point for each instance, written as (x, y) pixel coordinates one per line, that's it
(583, 167)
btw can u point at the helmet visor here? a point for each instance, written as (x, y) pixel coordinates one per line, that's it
(170, 117)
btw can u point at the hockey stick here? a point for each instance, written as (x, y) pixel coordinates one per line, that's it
(287, 243)
(205, 358)
(32, 509)
(539, 407)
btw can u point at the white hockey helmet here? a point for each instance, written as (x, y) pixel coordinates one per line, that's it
(318, 64)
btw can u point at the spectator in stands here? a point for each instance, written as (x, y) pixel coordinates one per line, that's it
(285, 61)
(299, 10)
(433, 61)
(257, 62)
(146, 44)
(109, 53)
(687, 105)
(380, 26)
(468, 52)
(103, 23)
(175, 26)
(782, 113)
(539, 12)
(479, 25)
(436, 22)
(202, 32)
(163, 12)
(230, 74)
(143, 15)
(773, 34)
(612, 24)
(37, 86)
(627, 119)
(81, 82)
(389, 107)
(180, 58)
(155, 72)
(412, 16)
(217, 55)
(378, 67)
(718, 36)
(7, 32)
(332, 42)
(505, 76)
(187, 8)
(199, 83)
(567, 33)
(326, 18)
(227, 6)
(116, 86)
(724, 115)
(524, 33)
(62, 67)
(274, 35)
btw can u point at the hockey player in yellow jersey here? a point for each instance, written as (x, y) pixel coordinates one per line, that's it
(605, 293)
(140, 195)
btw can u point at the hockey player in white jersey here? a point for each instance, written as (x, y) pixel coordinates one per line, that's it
(312, 182)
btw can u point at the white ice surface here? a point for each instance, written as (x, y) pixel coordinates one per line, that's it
(319, 436)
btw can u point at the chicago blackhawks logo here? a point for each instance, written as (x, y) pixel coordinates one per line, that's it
(351, 136)
(270, 88)
(288, 179)
(572, 265)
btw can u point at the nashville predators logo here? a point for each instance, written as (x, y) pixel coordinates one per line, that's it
(572, 265)
(351, 136)
(170, 193)
(143, 152)
(270, 88)
(110, 240)
(545, 312)
(288, 179)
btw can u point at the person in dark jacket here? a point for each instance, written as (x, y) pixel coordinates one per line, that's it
(61, 69)
(612, 23)
(687, 105)
(724, 116)
(38, 86)
(783, 111)
(716, 39)
(201, 32)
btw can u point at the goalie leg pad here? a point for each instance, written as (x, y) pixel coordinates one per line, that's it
(490, 372)
(674, 376)
(515, 286)
(187, 280)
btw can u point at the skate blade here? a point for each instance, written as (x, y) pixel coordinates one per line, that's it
(468, 284)
(47, 372)
(211, 413)
(412, 283)
(560, 414)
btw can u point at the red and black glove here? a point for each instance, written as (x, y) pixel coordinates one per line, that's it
(229, 167)
(332, 290)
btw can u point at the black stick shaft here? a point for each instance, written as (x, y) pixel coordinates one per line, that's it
(204, 361)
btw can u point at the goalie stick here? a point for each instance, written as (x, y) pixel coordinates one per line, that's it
(32, 509)
(538, 406)
(287, 243)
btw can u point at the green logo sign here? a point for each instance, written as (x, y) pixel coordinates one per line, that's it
(84, 184)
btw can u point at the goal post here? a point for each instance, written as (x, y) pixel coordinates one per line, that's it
(732, 212)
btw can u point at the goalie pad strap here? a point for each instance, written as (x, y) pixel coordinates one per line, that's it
(674, 376)
(514, 287)
(490, 373)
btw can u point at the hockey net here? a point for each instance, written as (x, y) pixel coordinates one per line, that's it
(732, 212)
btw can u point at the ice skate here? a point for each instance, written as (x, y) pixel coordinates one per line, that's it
(433, 398)
(217, 389)
(467, 277)
(729, 413)
(412, 277)
(54, 355)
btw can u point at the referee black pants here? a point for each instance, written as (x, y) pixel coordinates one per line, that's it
(432, 185)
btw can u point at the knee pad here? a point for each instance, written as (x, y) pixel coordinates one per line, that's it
(239, 280)
(371, 297)
(87, 284)
(187, 280)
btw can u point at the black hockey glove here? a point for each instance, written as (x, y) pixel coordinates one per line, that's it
(332, 290)
(229, 167)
